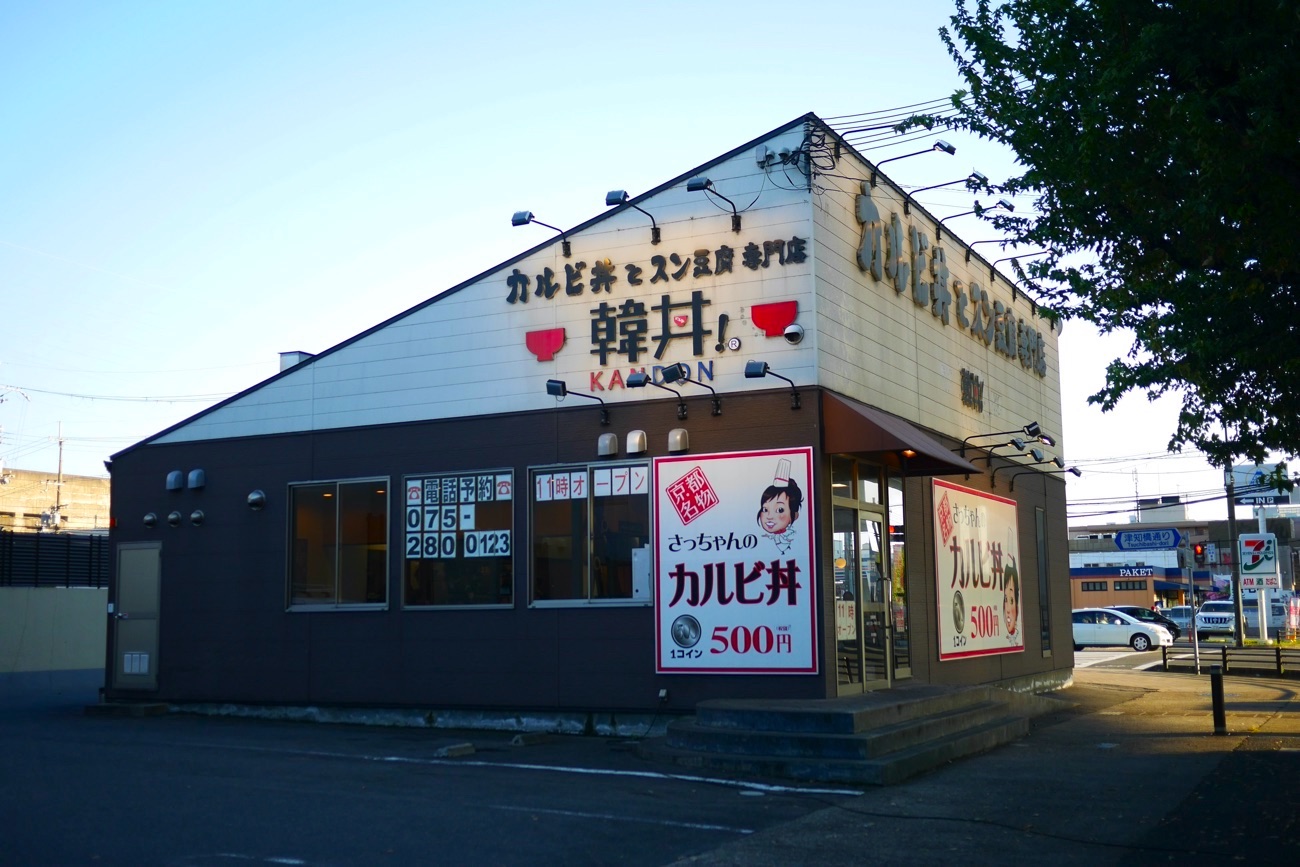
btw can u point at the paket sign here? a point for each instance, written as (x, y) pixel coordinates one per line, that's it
(734, 571)
(977, 556)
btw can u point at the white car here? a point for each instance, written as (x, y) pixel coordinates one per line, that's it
(1217, 617)
(1101, 627)
(1180, 615)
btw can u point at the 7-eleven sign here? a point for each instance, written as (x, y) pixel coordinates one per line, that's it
(1258, 553)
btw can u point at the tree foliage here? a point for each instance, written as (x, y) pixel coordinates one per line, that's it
(1161, 141)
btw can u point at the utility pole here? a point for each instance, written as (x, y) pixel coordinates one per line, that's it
(1238, 630)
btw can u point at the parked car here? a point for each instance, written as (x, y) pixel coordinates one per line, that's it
(1217, 617)
(1277, 614)
(1102, 627)
(1181, 615)
(1146, 615)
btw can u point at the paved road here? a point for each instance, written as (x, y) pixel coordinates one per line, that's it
(191, 790)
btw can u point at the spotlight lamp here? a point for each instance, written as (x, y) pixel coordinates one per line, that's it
(704, 185)
(979, 209)
(620, 197)
(1014, 260)
(759, 369)
(1038, 458)
(1032, 431)
(680, 372)
(940, 145)
(641, 380)
(973, 181)
(1015, 442)
(523, 218)
(1074, 471)
(559, 389)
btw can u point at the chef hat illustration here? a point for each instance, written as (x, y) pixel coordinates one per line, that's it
(782, 477)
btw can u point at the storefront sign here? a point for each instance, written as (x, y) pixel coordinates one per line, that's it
(735, 576)
(977, 557)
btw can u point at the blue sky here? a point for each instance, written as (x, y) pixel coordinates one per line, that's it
(191, 188)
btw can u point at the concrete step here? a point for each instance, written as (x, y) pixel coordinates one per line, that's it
(691, 734)
(844, 715)
(884, 770)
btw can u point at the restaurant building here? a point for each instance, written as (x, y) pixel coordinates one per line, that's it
(768, 430)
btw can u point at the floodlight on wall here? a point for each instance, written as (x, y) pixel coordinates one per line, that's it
(759, 369)
(940, 145)
(523, 218)
(704, 185)
(973, 181)
(1002, 241)
(1074, 471)
(620, 197)
(1038, 458)
(558, 389)
(1031, 430)
(680, 372)
(1015, 260)
(979, 209)
(679, 441)
(1015, 442)
(641, 380)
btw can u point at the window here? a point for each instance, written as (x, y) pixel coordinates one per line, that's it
(1130, 585)
(586, 523)
(1091, 586)
(459, 539)
(1044, 585)
(339, 543)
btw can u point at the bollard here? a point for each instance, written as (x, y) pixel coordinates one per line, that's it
(1216, 696)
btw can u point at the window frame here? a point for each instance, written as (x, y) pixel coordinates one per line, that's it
(589, 469)
(291, 545)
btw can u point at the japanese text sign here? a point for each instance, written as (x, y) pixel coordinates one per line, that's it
(979, 586)
(735, 577)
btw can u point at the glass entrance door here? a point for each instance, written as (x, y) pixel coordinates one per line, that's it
(862, 601)
(876, 587)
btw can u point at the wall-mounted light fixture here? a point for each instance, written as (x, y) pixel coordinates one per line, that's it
(151, 520)
(1002, 241)
(641, 380)
(523, 218)
(940, 145)
(759, 369)
(1074, 471)
(620, 197)
(1038, 458)
(973, 181)
(558, 389)
(1031, 430)
(680, 372)
(679, 441)
(636, 442)
(257, 500)
(607, 445)
(704, 185)
(979, 209)
(176, 480)
(1015, 442)
(993, 269)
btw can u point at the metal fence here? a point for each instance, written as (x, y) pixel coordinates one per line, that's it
(53, 559)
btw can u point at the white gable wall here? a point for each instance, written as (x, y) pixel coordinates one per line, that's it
(880, 347)
(465, 354)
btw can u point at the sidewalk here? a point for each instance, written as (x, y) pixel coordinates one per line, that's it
(1128, 772)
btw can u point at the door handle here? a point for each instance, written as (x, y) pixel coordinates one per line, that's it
(121, 615)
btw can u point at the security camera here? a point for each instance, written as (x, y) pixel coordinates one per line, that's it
(793, 333)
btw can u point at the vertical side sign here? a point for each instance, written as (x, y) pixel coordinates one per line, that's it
(734, 569)
(977, 572)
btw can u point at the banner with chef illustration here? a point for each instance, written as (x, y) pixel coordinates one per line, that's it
(977, 558)
(734, 573)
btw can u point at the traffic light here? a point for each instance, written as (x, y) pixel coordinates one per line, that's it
(1198, 553)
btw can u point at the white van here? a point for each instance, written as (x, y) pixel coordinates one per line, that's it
(1277, 614)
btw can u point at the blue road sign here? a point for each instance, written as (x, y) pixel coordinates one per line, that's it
(1147, 540)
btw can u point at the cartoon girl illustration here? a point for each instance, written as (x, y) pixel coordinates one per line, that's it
(779, 508)
(1011, 603)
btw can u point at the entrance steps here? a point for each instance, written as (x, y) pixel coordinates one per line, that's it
(877, 739)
